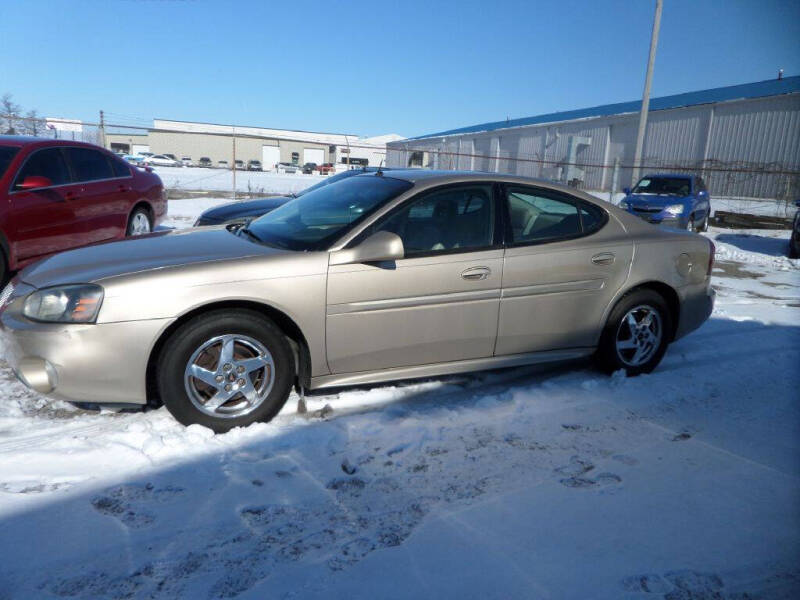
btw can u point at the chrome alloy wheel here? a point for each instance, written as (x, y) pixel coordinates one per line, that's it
(140, 224)
(229, 376)
(639, 335)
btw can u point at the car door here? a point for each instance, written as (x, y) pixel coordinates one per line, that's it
(565, 260)
(102, 205)
(439, 303)
(43, 218)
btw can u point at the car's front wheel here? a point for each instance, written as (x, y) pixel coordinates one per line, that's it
(225, 369)
(139, 222)
(636, 334)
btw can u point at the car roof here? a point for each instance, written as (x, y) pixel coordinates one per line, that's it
(420, 175)
(29, 140)
(670, 175)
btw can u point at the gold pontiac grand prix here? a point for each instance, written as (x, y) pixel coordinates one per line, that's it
(383, 276)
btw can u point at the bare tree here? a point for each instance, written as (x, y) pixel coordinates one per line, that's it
(11, 112)
(32, 125)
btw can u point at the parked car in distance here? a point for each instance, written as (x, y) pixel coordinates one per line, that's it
(285, 167)
(172, 156)
(254, 165)
(674, 200)
(794, 240)
(309, 168)
(58, 194)
(239, 165)
(326, 168)
(133, 159)
(205, 162)
(222, 164)
(187, 161)
(241, 213)
(377, 277)
(161, 160)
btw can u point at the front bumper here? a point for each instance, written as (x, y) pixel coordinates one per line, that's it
(103, 363)
(662, 218)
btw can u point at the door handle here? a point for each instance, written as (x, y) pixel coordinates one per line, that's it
(70, 196)
(604, 258)
(124, 188)
(476, 273)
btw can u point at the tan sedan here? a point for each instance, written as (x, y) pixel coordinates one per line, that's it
(378, 277)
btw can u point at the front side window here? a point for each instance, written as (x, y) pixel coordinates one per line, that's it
(120, 167)
(48, 163)
(89, 165)
(453, 219)
(316, 219)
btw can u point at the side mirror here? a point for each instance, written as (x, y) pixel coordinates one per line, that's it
(380, 246)
(32, 182)
(626, 191)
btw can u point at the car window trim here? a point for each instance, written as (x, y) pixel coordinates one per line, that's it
(68, 162)
(557, 195)
(499, 221)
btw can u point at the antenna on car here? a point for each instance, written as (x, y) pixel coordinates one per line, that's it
(379, 173)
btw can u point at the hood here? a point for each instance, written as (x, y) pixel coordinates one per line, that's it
(141, 253)
(249, 208)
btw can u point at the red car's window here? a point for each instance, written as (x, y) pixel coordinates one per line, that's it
(7, 154)
(49, 163)
(89, 165)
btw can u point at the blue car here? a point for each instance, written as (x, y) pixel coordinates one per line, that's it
(680, 201)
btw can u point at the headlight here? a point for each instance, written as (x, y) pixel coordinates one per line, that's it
(674, 209)
(65, 304)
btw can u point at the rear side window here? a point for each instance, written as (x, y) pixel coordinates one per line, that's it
(49, 163)
(120, 167)
(89, 165)
(536, 216)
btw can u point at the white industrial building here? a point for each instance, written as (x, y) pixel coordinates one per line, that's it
(743, 139)
(242, 142)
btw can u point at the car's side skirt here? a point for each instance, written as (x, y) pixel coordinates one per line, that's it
(448, 368)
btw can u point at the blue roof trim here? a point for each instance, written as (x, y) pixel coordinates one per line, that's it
(759, 89)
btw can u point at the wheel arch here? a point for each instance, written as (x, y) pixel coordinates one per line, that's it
(664, 290)
(284, 322)
(141, 204)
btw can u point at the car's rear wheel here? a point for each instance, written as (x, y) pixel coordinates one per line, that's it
(139, 222)
(225, 369)
(637, 334)
(704, 224)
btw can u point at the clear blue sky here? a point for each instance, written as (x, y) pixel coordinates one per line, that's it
(377, 67)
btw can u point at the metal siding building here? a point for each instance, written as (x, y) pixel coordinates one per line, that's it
(744, 140)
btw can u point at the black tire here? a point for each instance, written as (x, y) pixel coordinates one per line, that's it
(704, 226)
(189, 337)
(608, 357)
(138, 213)
(690, 226)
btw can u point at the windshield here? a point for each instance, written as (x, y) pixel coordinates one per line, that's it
(321, 216)
(331, 179)
(7, 154)
(670, 186)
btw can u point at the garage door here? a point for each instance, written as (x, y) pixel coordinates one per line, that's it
(139, 148)
(314, 155)
(270, 156)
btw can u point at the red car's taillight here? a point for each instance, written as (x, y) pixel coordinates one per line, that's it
(711, 252)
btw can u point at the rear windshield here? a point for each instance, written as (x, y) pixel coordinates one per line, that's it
(670, 186)
(7, 154)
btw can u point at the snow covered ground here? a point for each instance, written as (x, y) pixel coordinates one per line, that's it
(524, 483)
(221, 180)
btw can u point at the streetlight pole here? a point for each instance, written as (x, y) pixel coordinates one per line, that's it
(637, 157)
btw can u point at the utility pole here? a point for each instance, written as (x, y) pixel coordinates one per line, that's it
(637, 157)
(102, 129)
(233, 163)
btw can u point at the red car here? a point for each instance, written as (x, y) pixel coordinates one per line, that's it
(326, 168)
(57, 194)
